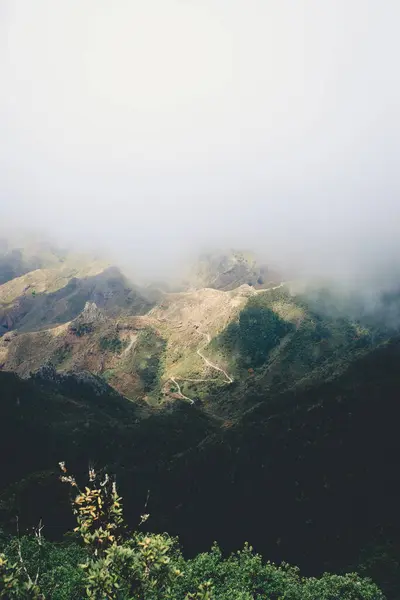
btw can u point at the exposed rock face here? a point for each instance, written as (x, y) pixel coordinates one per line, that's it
(230, 270)
(91, 314)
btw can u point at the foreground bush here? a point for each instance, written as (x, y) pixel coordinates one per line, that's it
(109, 563)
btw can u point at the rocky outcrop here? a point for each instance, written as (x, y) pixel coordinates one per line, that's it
(227, 271)
(91, 314)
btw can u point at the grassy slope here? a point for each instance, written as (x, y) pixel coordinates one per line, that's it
(268, 340)
(36, 312)
(124, 352)
(48, 298)
(278, 342)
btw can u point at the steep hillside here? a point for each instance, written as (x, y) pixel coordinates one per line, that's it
(308, 475)
(207, 346)
(78, 418)
(215, 347)
(48, 297)
(224, 346)
(141, 356)
(93, 342)
(229, 270)
(281, 340)
(43, 285)
(263, 406)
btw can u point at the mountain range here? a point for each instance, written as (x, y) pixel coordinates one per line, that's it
(244, 405)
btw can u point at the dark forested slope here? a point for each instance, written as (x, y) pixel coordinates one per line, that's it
(309, 475)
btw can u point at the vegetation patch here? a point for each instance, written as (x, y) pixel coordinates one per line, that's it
(81, 329)
(108, 375)
(61, 354)
(111, 563)
(111, 344)
(258, 330)
(148, 359)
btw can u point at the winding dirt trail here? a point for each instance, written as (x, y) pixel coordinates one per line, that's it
(179, 392)
(228, 378)
(276, 287)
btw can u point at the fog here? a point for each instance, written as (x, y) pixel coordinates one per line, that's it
(158, 128)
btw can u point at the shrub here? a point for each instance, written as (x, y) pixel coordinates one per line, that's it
(148, 359)
(59, 576)
(111, 344)
(80, 329)
(117, 565)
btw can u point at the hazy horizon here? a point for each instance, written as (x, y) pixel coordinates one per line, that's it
(157, 129)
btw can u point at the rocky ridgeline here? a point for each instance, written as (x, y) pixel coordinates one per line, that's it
(91, 314)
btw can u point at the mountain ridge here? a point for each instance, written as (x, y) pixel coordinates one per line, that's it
(254, 406)
(199, 345)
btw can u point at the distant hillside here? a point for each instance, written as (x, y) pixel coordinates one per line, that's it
(229, 270)
(215, 347)
(22, 253)
(54, 296)
(281, 340)
(198, 346)
(138, 355)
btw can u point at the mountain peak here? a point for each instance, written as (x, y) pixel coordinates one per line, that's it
(230, 269)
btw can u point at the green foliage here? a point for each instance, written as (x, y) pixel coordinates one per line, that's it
(13, 582)
(380, 560)
(108, 375)
(260, 330)
(135, 567)
(61, 354)
(59, 576)
(111, 344)
(80, 329)
(205, 592)
(245, 576)
(242, 575)
(345, 587)
(98, 512)
(118, 566)
(257, 332)
(148, 359)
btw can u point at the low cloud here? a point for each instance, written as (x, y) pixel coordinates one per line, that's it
(156, 129)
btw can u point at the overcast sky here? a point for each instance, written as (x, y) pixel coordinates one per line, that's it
(157, 127)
